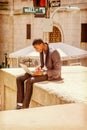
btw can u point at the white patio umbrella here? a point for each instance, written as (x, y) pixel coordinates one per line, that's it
(65, 50)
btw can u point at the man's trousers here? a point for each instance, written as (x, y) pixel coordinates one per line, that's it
(24, 94)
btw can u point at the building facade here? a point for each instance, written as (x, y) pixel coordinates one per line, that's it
(19, 28)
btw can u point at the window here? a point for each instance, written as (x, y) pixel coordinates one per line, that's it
(28, 31)
(84, 33)
(4, 5)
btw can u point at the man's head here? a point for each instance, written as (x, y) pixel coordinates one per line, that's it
(38, 45)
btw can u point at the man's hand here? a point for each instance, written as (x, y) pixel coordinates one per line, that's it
(37, 72)
(38, 68)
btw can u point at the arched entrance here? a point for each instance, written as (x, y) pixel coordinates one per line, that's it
(55, 36)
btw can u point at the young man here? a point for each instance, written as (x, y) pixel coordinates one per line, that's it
(50, 69)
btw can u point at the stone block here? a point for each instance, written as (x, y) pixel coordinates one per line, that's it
(57, 117)
(72, 90)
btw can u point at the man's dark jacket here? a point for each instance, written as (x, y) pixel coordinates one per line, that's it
(52, 62)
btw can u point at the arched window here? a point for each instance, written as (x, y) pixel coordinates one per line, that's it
(55, 36)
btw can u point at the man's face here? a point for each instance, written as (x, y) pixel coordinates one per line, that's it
(39, 47)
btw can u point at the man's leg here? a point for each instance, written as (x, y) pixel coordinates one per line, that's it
(20, 87)
(29, 88)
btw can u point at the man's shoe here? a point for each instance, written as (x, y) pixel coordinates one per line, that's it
(18, 107)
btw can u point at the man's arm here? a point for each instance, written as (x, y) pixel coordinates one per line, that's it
(55, 72)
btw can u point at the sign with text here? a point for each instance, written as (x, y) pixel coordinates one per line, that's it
(37, 10)
(54, 3)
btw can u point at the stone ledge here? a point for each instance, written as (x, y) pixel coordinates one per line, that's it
(73, 89)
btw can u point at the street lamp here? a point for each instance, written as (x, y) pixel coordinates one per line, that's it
(48, 23)
(64, 8)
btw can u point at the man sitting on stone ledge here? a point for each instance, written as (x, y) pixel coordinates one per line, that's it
(50, 69)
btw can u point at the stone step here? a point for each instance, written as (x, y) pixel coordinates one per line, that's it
(58, 117)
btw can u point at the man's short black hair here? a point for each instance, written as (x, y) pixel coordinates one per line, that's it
(37, 42)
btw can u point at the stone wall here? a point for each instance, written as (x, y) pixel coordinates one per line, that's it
(64, 2)
(6, 28)
(72, 89)
(69, 24)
